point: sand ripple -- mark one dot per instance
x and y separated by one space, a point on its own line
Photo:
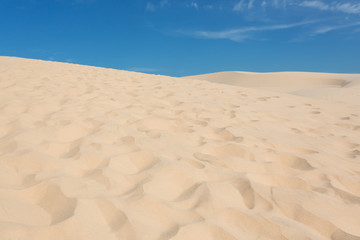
92 153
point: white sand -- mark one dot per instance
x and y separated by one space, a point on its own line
327 86
90 153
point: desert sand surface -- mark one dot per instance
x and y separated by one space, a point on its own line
328 86
89 153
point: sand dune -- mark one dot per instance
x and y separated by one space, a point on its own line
93 153
327 86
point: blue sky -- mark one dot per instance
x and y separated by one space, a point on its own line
179 38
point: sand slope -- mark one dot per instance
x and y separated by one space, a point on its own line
92 153
327 86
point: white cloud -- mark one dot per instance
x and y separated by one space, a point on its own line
150 6
348 8
241 34
315 4
276 3
251 4
242 5
327 29
194 5
239 6
353 8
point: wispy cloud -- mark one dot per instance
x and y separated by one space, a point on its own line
194 5
241 34
198 6
352 8
348 7
239 5
343 6
242 5
336 6
150 6
315 4
252 4
279 3
327 29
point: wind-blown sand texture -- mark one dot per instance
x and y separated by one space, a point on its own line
92 153
328 86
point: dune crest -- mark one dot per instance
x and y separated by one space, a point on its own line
332 87
94 153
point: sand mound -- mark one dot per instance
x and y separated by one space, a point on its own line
327 86
93 153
